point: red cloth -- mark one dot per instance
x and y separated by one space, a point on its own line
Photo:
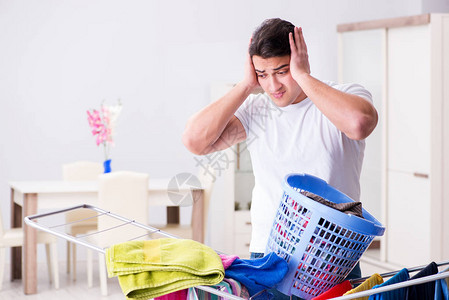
179 295
336 291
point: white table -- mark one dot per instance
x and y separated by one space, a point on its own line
35 195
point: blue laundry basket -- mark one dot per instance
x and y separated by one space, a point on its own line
321 244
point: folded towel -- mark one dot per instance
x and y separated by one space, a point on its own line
148 269
258 274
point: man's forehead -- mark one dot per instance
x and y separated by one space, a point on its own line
270 64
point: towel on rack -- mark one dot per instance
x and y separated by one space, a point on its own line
258 274
368 284
447 278
336 291
148 269
394 294
441 290
424 290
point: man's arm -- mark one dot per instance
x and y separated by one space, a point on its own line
215 127
353 115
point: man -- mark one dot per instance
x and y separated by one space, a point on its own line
299 125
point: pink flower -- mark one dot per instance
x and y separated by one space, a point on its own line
103 125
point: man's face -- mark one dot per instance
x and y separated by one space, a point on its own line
274 77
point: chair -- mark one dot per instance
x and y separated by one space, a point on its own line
124 193
14 238
78 171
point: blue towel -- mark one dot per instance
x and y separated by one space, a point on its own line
258 274
441 290
394 294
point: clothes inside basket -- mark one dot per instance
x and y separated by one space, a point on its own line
352 208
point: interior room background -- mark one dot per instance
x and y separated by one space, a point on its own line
61 58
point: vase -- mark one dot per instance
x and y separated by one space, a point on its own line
107 166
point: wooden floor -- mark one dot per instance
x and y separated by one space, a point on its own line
68 289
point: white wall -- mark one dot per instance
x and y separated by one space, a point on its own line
435 6
59 58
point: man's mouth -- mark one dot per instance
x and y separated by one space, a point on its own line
278 95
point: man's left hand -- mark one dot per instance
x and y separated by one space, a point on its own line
299 59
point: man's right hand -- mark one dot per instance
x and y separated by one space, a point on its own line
250 78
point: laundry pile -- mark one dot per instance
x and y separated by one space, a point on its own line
166 268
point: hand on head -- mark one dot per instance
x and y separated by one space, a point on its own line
299 59
250 78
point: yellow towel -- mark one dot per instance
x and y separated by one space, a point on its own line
148 269
366 285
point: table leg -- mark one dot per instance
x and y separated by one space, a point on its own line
16 252
198 216
173 215
30 246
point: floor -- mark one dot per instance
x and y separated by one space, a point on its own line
70 289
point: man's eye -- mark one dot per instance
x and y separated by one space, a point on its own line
282 72
261 75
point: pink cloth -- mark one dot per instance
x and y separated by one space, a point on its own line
227 260
179 295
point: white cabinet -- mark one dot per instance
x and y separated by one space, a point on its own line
409 99
404 62
242 233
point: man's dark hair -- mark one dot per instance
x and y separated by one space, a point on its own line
270 39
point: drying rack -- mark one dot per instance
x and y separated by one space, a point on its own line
48 222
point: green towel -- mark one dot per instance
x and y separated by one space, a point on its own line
148 269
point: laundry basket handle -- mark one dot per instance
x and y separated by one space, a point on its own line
318 184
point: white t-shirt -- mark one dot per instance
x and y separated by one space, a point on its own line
295 139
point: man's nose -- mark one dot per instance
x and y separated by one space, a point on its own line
274 84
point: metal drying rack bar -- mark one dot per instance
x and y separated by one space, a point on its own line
33 221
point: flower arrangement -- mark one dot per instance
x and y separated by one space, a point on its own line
103 123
